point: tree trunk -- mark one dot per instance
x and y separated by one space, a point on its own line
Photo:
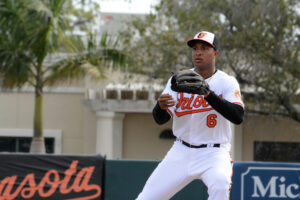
38 144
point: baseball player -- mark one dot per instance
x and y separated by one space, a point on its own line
202 102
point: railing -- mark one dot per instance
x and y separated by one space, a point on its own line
122 94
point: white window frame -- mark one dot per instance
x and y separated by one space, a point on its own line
48 133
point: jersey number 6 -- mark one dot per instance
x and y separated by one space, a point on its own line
211 120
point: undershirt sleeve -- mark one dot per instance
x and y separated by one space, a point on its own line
231 111
160 116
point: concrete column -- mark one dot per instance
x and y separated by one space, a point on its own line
236 142
109 134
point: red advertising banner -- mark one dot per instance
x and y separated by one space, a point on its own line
55 177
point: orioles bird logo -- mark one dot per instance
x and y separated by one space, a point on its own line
238 95
201 35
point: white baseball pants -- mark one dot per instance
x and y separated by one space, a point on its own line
182 165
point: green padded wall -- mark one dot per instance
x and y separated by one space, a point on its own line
125 179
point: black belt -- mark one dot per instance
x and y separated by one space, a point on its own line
199 146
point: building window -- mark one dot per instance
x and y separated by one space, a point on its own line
19 140
22 144
277 151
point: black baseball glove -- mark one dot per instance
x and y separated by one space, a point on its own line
189 81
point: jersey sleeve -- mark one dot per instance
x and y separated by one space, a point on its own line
232 92
169 91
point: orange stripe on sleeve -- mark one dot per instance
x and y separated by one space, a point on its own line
239 103
170 112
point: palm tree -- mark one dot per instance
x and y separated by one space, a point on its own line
29 32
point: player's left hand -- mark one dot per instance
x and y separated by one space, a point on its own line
190 82
165 101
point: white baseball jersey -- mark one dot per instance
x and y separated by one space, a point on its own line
195 121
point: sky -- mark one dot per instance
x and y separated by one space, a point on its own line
127 6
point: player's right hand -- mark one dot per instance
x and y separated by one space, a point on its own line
165 101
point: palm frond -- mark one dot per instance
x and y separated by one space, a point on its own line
15 69
72 68
69 68
16 62
40 31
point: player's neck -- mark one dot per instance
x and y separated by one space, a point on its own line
206 73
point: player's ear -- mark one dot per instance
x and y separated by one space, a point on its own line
216 53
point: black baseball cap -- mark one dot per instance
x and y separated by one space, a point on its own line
204 36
